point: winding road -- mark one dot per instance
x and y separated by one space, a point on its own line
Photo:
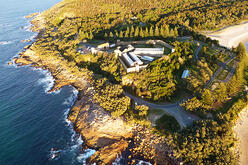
183 118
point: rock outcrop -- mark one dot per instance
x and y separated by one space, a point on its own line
100 131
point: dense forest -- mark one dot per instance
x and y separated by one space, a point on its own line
208 141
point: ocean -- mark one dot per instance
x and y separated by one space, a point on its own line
33 125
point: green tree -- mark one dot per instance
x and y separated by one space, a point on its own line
151 34
166 31
221 93
141 34
162 31
136 34
111 35
175 32
131 32
127 33
91 36
172 33
156 31
241 51
121 34
116 34
106 35
207 97
87 35
146 32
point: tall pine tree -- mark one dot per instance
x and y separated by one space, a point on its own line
141 34
121 34
132 32
146 32
136 34
151 34
156 31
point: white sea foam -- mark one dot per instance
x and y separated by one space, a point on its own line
47 82
81 158
141 162
54 154
5 42
31 38
27 27
70 100
117 160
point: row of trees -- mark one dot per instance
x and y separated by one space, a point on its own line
140 32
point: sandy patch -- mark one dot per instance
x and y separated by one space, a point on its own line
241 131
231 36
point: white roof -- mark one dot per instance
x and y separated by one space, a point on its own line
135 58
128 59
149 49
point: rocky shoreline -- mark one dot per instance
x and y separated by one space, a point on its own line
109 136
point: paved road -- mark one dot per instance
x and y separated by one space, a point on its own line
183 118
197 52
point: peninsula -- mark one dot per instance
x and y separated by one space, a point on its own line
151 86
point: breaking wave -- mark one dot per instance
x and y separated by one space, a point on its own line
81 158
47 82
5 42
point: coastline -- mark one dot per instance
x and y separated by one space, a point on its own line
231 36
90 124
109 136
82 107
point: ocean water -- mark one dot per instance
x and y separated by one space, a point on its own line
33 125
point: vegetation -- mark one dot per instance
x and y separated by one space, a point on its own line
207 141
159 80
167 124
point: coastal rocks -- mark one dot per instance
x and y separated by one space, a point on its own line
10 63
28 40
110 136
152 147
32 15
22 61
108 154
